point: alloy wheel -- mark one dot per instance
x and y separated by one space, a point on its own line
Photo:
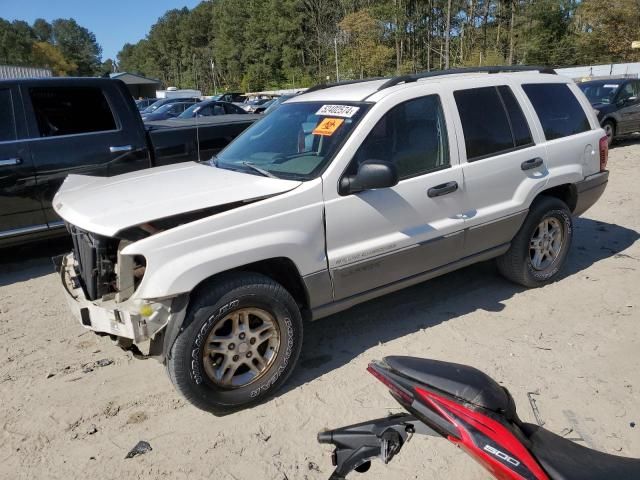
241 347
546 243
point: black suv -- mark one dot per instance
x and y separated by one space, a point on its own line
616 103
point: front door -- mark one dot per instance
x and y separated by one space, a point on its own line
629 112
378 237
77 130
20 207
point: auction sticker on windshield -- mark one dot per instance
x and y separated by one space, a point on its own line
346 111
328 126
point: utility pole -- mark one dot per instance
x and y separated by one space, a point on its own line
213 75
335 44
448 36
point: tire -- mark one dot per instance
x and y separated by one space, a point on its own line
610 129
517 263
222 319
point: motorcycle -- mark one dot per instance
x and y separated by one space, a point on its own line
471 410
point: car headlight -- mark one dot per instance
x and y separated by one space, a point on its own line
596 111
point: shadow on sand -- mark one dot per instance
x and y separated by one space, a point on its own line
334 341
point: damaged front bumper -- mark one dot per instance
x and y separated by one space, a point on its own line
136 320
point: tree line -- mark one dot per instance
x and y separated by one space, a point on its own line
258 44
62 45
262 44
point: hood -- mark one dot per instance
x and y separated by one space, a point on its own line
108 205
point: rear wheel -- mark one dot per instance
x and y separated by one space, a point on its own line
610 130
540 248
241 341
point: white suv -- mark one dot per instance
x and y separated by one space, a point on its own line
345 193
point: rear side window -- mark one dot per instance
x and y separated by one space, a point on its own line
68 111
412 135
492 121
558 109
233 109
7 119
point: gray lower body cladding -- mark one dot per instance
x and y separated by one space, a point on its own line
367 279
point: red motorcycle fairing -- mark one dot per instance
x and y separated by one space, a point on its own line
486 440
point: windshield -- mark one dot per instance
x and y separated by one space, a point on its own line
296 141
164 108
600 92
155 105
191 111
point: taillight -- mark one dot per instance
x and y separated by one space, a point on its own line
395 389
604 153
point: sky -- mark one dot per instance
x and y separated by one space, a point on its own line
113 22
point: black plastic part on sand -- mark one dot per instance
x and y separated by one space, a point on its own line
141 448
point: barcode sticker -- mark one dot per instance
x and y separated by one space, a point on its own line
346 111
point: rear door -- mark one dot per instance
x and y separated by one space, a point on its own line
89 129
504 165
20 207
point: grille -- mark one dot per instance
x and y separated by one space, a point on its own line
94 268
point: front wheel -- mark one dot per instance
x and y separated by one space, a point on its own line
241 341
540 248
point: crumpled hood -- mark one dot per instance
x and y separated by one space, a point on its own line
109 205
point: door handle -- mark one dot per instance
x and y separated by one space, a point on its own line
443 189
533 163
10 161
121 148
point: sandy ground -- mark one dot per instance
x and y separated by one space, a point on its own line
575 343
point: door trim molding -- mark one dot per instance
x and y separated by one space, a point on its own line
23 230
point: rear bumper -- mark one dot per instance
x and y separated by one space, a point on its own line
106 316
589 190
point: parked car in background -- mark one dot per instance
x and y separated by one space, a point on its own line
262 108
276 103
143 103
345 193
209 108
617 104
168 110
165 101
52 127
252 105
231 97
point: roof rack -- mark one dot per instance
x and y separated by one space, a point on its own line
322 86
453 71
414 77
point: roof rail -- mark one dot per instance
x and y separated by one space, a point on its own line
322 86
414 77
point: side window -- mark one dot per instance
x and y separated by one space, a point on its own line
558 109
485 123
626 91
232 109
413 135
69 110
7 119
519 125
218 110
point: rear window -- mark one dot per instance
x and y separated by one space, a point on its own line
7 119
492 121
559 111
68 111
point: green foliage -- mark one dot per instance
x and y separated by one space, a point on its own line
64 46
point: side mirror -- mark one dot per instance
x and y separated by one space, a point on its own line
371 174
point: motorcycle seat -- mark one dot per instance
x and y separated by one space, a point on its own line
563 459
461 381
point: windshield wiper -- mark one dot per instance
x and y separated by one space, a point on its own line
261 171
